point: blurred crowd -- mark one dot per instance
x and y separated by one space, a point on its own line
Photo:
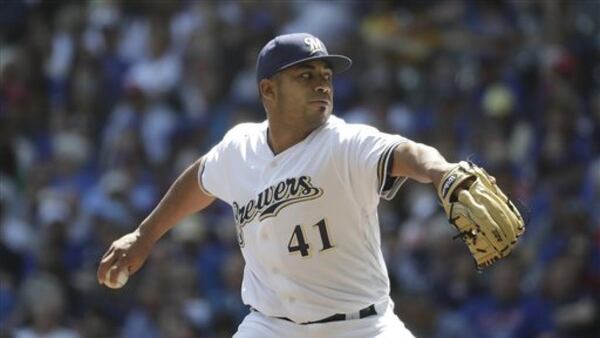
103 103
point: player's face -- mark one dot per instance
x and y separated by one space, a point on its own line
305 93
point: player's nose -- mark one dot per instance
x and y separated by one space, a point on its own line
323 88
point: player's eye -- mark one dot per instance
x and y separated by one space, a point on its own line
327 76
305 75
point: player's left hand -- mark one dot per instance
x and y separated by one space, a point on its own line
487 221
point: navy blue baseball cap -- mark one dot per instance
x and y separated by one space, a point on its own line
288 50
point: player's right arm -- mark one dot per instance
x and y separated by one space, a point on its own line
129 252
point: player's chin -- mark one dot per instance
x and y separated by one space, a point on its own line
320 114
318 120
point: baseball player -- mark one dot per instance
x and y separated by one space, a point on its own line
304 187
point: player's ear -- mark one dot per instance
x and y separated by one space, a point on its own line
267 89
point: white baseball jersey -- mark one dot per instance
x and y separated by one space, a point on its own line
306 217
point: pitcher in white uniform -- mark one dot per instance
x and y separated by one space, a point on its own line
304 187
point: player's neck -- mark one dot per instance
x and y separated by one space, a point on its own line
281 138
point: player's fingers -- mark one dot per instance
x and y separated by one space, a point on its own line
116 269
113 273
121 263
105 264
133 267
108 252
110 255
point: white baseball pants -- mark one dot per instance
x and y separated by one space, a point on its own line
385 325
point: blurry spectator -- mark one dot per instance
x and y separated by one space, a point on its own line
8 297
327 20
68 22
138 122
173 325
158 73
505 311
232 309
71 154
43 300
94 325
574 309
462 284
15 235
142 321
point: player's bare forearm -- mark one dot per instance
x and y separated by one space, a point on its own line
183 198
420 162
128 253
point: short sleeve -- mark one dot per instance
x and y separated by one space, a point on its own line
210 173
210 160
370 158
213 169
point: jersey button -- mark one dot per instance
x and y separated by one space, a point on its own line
292 299
273 164
275 270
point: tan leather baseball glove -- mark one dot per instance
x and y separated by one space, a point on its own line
487 221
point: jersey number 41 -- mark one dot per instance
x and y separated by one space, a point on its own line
298 242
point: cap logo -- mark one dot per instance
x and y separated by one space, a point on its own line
314 44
